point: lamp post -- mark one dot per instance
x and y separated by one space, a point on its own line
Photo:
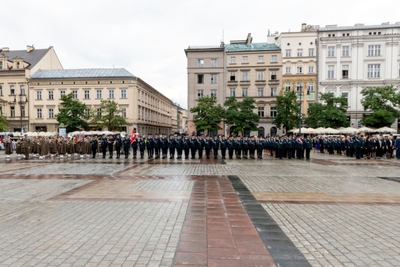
21 103
301 103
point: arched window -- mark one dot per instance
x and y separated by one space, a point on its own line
261 131
273 131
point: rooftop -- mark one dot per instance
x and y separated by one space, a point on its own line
82 73
358 26
32 57
251 47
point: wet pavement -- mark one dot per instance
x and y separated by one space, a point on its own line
329 211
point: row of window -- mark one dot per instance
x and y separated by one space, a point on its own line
288 70
272 112
18 65
232 60
13 91
86 94
152 100
151 115
244 92
373 71
299 52
299 86
213 63
260 76
213 78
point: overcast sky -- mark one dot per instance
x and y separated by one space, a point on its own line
148 38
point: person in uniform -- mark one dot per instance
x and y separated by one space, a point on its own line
238 147
223 146
186 146
231 146
26 147
150 146
171 146
200 145
215 146
104 145
193 146
164 146
142 146
308 146
118 145
358 146
245 147
94 144
252 147
156 145
110 144
8 147
207 146
260 147
179 146
126 143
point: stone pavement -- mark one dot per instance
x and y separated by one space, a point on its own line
330 211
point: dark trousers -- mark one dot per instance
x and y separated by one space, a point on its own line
164 152
238 153
251 153
358 152
179 152
193 152
94 150
104 150
186 152
230 153
172 152
208 150
223 153
289 152
200 153
215 150
134 152
259 153
245 152
126 152
150 152
157 152
279 153
142 153
110 151
351 152
308 153
118 150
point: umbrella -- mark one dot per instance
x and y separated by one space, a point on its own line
76 133
365 129
106 133
331 131
348 130
385 130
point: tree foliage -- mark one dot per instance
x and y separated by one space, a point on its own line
208 114
383 102
287 110
240 114
110 116
72 114
3 123
330 113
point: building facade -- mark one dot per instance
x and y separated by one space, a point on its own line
299 64
352 58
16 67
205 70
141 105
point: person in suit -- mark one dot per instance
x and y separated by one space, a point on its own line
389 147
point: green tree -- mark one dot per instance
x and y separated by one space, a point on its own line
3 123
208 114
240 114
383 102
110 116
287 110
330 113
72 114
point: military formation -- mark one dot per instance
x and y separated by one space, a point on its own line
185 147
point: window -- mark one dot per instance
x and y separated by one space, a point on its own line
287 86
213 93
331 72
39 113
123 93
272 112
232 92
213 63
22 89
62 93
200 78
346 95
345 51
232 76
38 95
260 59
233 60
261 111
288 53
18 65
22 111
311 52
260 76
331 51
260 91
245 92
213 78
245 59
51 95
200 93
288 70
1 65
98 94
98 112
310 87
86 94
12 89
200 63
123 112
345 71
110 93
12 111
311 69
374 50
273 58
273 75
51 113
1 90
75 94
245 76
299 69
299 52
273 91
374 70
86 112
299 87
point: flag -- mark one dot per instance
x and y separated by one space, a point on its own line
133 136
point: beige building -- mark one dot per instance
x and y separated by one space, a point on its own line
299 64
205 68
16 67
141 104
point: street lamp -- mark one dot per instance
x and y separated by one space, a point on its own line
21 103
301 103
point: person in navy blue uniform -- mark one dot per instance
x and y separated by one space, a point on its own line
118 145
110 143
179 146
134 146
94 144
207 146
104 146
171 146
156 145
126 143
215 146
245 147
223 146
164 146
200 145
231 146
142 146
252 147
193 146
238 147
260 147
150 146
186 146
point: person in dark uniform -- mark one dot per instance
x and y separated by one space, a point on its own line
193 146
215 146
164 146
179 146
289 147
200 145
245 147
252 147
94 144
223 146
157 147
126 143
308 143
260 147
238 147
279 146
118 145
207 146
134 146
110 143
142 146
358 146
150 146
186 146
104 145
299 146
231 146
171 146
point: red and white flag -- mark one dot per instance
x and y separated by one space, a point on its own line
133 136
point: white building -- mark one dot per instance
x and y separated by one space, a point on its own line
351 58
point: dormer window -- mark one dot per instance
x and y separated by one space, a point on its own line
1 65
18 65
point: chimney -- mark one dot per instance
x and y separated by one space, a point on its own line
303 27
249 39
30 48
5 49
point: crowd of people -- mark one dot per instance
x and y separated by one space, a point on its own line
185 147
